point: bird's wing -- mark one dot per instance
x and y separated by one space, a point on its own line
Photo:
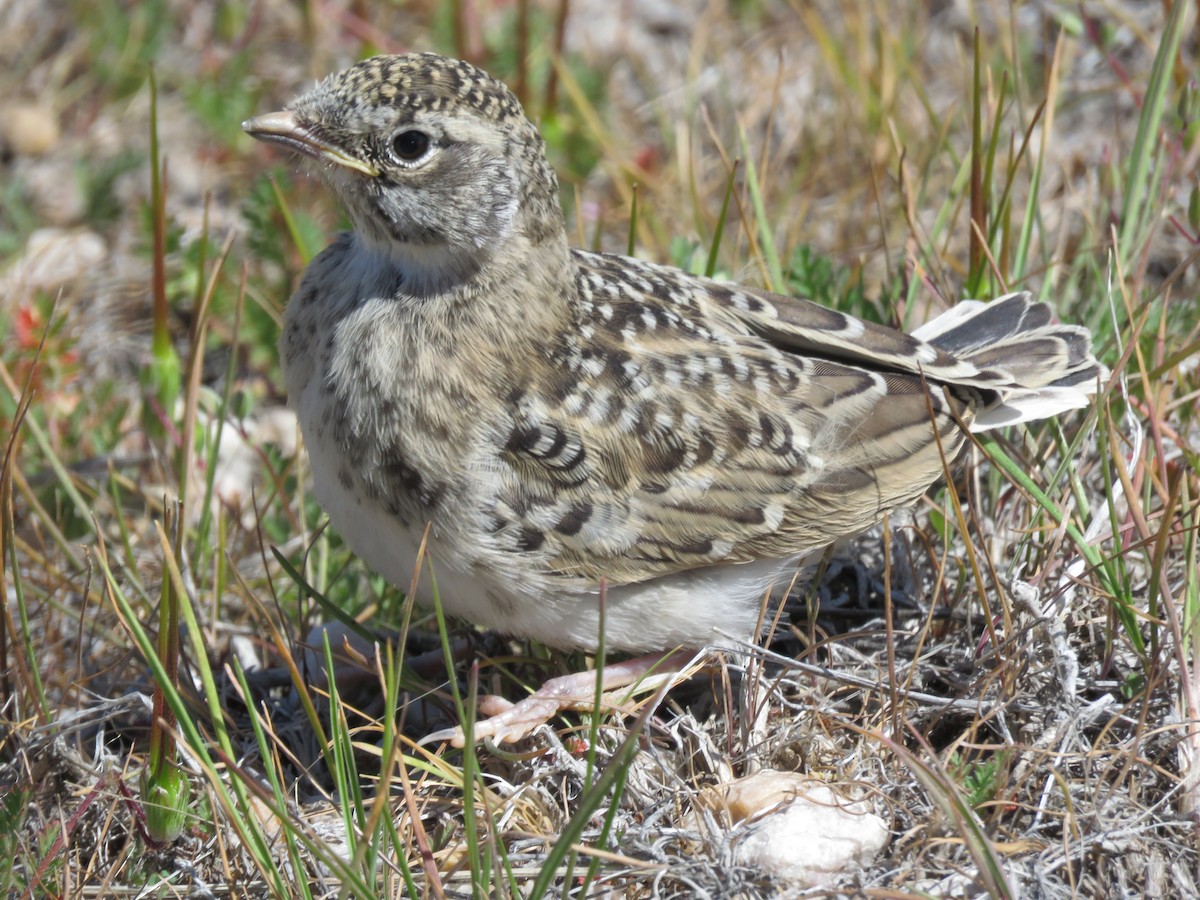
1009 347
669 435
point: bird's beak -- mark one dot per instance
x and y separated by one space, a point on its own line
284 128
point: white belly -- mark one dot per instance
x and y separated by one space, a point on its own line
499 588
692 609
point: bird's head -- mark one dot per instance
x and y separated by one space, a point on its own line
433 159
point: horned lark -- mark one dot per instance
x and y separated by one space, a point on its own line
562 419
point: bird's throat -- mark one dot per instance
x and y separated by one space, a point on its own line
425 268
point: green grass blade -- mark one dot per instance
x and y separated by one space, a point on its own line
1137 210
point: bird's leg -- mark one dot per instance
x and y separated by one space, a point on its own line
509 722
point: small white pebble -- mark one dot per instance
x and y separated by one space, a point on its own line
53 257
799 829
29 129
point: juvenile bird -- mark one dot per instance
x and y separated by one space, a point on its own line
562 419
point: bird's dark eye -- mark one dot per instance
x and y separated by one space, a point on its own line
410 145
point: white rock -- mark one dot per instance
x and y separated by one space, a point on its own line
799 829
53 257
29 129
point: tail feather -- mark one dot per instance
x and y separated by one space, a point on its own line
1029 367
971 324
